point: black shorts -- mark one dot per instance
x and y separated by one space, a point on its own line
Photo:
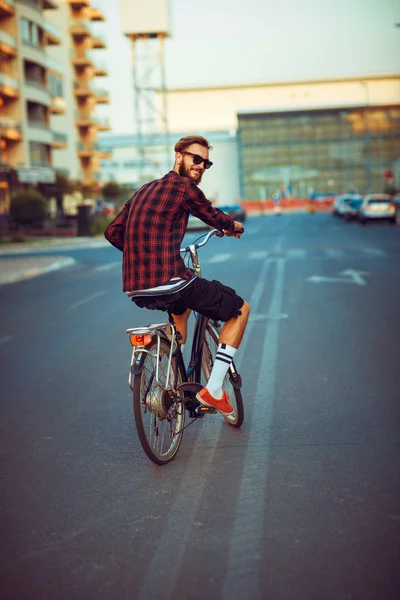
209 298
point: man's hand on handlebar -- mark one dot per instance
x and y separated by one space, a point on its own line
237 232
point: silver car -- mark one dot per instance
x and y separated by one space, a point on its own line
377 206
341 205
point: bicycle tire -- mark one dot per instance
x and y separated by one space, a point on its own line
159 420
210 337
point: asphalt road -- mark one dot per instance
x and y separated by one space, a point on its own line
303 502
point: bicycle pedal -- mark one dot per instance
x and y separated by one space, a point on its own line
206 409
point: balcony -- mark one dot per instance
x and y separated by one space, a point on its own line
100 69
10 129
58 105
89 149
95 13
86 149
8 44
102 124
84 119
80 28
7 8
98 41
36 91
60 140
79 3
82 89
39 131
8 86
53 33
81 59
101 95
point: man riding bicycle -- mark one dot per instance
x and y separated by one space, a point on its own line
149 231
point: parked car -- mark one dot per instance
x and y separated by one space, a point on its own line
377 206
341 205
195 224
396 202
352 209
235 211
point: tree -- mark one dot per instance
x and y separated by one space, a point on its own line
111 190
28 208
58 189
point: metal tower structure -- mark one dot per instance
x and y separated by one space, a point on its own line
146 24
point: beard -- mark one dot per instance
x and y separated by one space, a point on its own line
185 171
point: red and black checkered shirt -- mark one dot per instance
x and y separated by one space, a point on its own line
151 226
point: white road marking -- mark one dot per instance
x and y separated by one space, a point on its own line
108 266
219 258
247 533
333 253
374 251
295 253
188 498
88 299
258 254
5 339
347 276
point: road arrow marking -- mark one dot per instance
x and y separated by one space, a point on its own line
348 276
355 275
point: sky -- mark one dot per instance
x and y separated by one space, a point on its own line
234 42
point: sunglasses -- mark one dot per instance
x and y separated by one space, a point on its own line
197 159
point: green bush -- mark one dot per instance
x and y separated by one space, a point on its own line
98 226
28 208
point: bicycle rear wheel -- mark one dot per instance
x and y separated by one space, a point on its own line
232 380
159 415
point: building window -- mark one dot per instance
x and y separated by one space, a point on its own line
30 33
38 154
56 86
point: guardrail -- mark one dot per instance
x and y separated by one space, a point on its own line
62 138
37 84
38 124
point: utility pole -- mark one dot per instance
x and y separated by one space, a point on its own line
146 24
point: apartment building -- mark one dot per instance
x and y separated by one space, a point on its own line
47 95
30 92
82 39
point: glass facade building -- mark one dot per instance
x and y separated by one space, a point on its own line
317 151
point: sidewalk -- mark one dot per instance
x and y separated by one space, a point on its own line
14 268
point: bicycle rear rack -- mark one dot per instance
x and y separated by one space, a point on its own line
161 330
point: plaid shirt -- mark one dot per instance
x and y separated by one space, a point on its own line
151 226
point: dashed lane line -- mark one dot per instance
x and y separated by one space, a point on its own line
88 299
108 266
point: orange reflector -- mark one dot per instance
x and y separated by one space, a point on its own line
143 339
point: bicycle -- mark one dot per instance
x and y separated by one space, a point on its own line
163 388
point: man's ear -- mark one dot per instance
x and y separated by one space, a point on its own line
178 158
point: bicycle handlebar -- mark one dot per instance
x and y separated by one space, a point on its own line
209 235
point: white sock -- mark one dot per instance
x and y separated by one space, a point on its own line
223 359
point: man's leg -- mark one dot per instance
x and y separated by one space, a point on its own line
181 324
233 330
230 337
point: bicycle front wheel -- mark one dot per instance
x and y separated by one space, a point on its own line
159 415
232 378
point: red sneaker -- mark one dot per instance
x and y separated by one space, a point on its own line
221 404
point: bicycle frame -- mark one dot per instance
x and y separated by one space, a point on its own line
162 329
